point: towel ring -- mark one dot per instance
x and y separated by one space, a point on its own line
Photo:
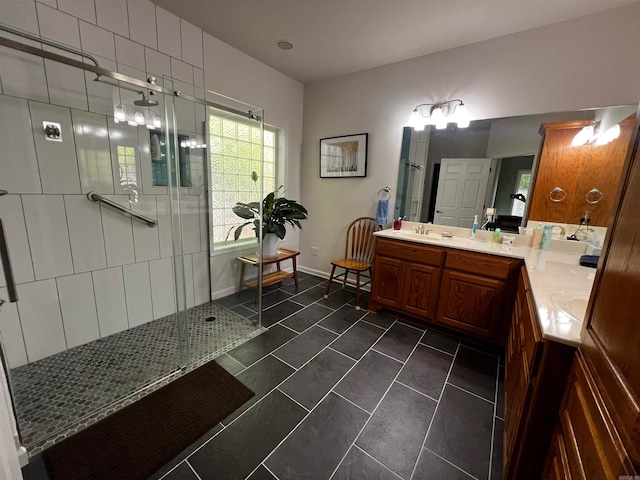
557 194
382 191
594 196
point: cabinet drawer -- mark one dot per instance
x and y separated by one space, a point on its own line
410 251
532 335
594 448
485 265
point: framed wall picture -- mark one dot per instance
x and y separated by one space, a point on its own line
344 156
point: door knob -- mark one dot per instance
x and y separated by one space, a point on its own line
438 211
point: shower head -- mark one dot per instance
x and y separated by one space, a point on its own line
146 101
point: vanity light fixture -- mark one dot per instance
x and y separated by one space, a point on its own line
440 114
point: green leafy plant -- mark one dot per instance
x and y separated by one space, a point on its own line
277 212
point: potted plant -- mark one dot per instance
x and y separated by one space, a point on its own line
277 212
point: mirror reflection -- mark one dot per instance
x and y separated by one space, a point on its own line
505 170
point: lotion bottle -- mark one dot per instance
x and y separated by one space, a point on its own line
536 238
475 227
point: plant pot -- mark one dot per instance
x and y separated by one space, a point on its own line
270 245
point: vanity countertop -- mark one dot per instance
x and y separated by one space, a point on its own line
554 277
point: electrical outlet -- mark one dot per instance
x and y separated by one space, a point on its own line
314 251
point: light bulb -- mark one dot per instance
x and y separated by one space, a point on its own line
462 116
614 132
132 123
183 144
414 119
139 118
437 116
156 121
193 142
119 115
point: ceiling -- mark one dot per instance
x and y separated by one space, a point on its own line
336 37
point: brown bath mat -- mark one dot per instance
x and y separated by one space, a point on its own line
138 440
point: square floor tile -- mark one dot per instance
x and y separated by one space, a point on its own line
366 384
260 378
309 296
262 345
229 364
461 431
358 339
271 298
381 319
338 298
306 317
340 320
395 433
431 466
261 474
303 284
359 465
440 341
399 341
309 384
276 313
302 348
475 372
236 451
497 454
426 371
317 446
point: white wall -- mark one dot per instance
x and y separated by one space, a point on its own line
587 62
232 73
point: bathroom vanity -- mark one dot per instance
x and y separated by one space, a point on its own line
530 301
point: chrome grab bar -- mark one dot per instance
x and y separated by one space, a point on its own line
95 197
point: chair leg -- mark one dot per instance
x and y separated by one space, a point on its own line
326 290
358 290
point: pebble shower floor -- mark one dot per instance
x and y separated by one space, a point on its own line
61 394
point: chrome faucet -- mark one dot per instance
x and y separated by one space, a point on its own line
419 229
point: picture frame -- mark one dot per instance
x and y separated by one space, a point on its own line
344 156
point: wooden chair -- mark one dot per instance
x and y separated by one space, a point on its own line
358 255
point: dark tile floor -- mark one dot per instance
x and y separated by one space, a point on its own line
344 394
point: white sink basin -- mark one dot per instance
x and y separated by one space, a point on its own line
574 304
418 236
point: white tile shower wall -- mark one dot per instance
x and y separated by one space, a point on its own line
11 329
137 286
84 271
111 302
85 233
57 160
48 233
78 307
19 166
39 310
12 217
162 292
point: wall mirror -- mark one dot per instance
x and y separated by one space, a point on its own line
513 165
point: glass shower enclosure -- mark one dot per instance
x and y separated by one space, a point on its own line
107 219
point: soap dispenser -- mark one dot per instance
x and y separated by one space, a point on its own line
474 229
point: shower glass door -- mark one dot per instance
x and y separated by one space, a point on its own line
211 164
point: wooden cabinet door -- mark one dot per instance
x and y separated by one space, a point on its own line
471 303
388 280
557 467
420 291
611 332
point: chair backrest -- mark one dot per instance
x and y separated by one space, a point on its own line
360 239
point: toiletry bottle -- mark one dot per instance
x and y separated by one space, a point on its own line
536 238
496 236
475 227
547 233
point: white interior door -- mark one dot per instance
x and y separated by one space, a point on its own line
462 187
